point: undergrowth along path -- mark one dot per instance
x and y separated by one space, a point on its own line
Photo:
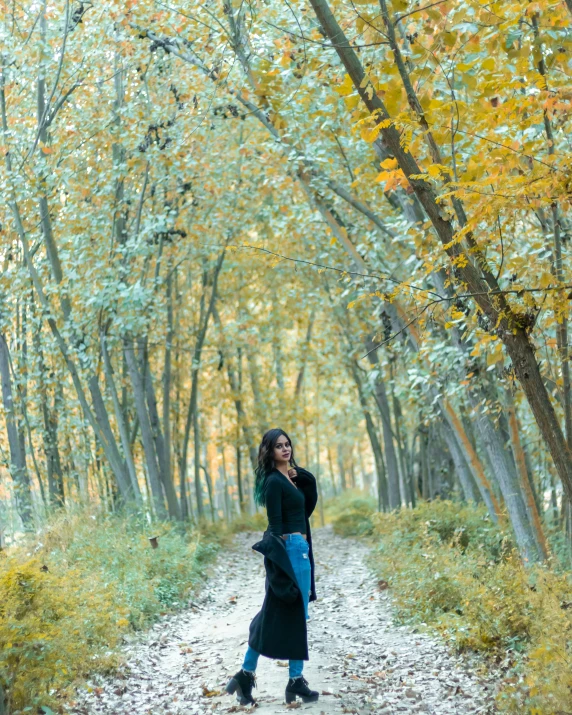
360 661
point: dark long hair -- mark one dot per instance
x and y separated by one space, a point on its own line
266 462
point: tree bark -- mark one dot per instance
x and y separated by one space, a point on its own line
146 431
3 710
160 447
167 378
333 475
119 418
403 471
305 350
18 468
383 497
115 459
525 477
527 539
425 487
50 430
209 483
342 467
239 471
394 492
197 462
256 389
470 492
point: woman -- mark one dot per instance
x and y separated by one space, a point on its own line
279 629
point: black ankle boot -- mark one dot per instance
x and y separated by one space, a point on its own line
242 683
299 687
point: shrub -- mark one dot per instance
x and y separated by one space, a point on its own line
351 513
452 569
68 598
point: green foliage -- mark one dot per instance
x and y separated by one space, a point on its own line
351 512
220 533
451 569
67 600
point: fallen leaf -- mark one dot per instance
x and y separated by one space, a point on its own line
210 693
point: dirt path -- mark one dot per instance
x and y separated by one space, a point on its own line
359 660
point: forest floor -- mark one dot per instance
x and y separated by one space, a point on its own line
360 660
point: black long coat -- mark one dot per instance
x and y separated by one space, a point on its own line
279 629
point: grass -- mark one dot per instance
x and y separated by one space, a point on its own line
351 513
451 570
69 597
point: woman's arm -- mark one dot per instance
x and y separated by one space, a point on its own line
306 482
274 507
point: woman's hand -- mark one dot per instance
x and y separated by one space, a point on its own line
292 473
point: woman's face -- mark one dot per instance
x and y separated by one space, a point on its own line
282 450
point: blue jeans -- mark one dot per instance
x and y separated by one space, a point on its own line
298 551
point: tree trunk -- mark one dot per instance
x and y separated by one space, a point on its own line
119 418
115 459
167 379
333 475
50 430
256 389
527 539
234 388
403 473
209 483
241 503
471 459
160 447
197 455
383 496
425 488
3 710
18 468
341 468
382 402
146 431
468 488
305 351
525 477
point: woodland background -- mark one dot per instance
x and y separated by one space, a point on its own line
348 220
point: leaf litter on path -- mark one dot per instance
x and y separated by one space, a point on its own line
360 660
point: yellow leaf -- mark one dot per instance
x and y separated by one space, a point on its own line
346 87
389 164
492 358
370 134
